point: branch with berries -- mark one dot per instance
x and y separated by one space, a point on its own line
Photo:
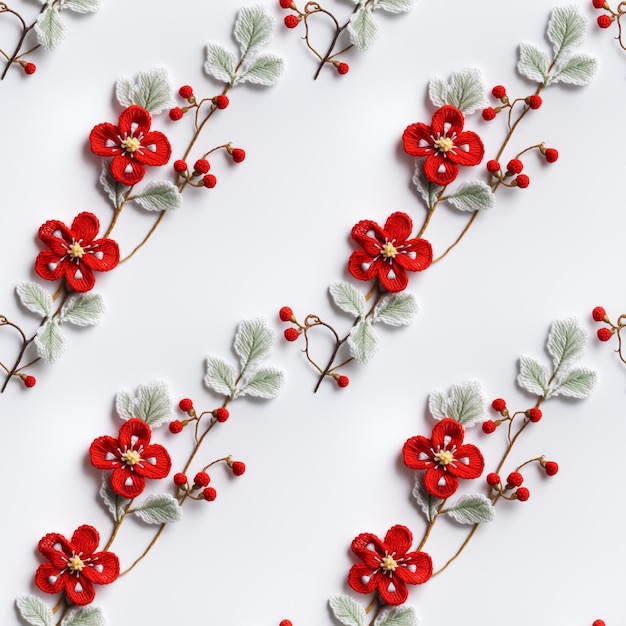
612 329
387 253
611 16
130 462
359 31
443 462
73 254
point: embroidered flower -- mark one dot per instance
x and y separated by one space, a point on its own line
131 457
388 253
388 566
75 253
75 566
444 457
444 144
131 144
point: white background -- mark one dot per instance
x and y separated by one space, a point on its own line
320 468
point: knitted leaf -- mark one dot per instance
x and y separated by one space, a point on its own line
362 341
50 28
533 63
113 188
153 404
427 189
398 309
49 341
578 70
265 383
566 342
566 29
159 509
85 616
85 309
220 376
348 298
253 29
362 28
533 376
159 195
35 298
35 611
153 90
465 90
113 501
466 403
253 342
265 70
472 196
81 6
347 610
220 63
473 508
394 6
579 382
426 501
397 616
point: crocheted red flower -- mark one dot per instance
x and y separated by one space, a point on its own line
131 144
131 457
75 253
444 457
388 253
75 566
388 566
444 144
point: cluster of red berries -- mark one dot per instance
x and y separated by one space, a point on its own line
513 168
499 404
513 481
533 101
604 21
599 315
286 315
202 166
186 405
201 481
186 91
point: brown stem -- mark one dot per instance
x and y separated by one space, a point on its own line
145 552
458 239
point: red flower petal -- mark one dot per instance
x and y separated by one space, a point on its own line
85 539
104 453
440 170
55 548
417 140
79 276
398 228
102 255
56 235
416 568
104 140
416 255
447 121
417 453
440 483
127 170
127 483
134 433
450 429
392 589
369 548
362 579
398 539
49 265
155 149
79 589
369 235
155 462
468 462
392 277
49 578
362 265
134 121
468 149
103 568
85 227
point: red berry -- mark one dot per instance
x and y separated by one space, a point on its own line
515 479
598 314
286 622
221 414
488 427
222 101
489 113
185 405
552 155
522 494
176 113
30 68
238 468
552 467
185 91
498 91
180 479
285 314
238 155
534 101
498 405
598 4
180 166
209 181
604 334
209 494
202 479
493 166
285 4
291 334
515 166
343 381
343 68
202 166
176 427
604 21
291 21
534 414
598 622
30 381
493 479
522 181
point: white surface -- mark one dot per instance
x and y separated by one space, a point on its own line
323 468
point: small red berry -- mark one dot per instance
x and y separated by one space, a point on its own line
515 166
202 166
291 21
598 4
343 381
552 467
534 414
221 101
286 622
285 314
238 468
598 622
30 68
598 314
604 21
285 4
238 155
343 68
522 494
202 479
185 91
498 405
522 181
180 479
180 166
185 405
30 381
291 334
176 113
489 427
493 479
493 166
552 155
498 91
604 334
176 427
515 479
534 101
221 414
209 494
209 181
489 114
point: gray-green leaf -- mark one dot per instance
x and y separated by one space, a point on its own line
159 509
579 382
397 616
362 28
266 69
153 90
34 610
398 309
579 69
50 28
49 341
472 196
265 383
82 6
466 404
395 6
347 610
220 63
113 188
113 501
85 616
348 298
220 376
363 341
427 189
35 298
533 63
253 28
473 508
566 29
426 501
465 90
566 342
533 376
253 342
85 309
153 404
159 195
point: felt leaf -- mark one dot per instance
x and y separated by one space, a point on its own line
437 90
579 69
113 188
398 309
153 90
566 29
220 63
220 376
153 403
473 508
35 298
427 189
472 196
159 509
50 28
466 404
84 616
347 610
397 616
395 6
113 501
253 28
467 90
579 382
426 501
85 309
266 69
35 611
362 28
533 376
265 383
49 341
348 298
566 342
82 6
159 195
253 342
533 63
362 341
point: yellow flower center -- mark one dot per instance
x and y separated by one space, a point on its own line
131 457
388 564
130 144
444 144
388 250
75 564
443 457
75 250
